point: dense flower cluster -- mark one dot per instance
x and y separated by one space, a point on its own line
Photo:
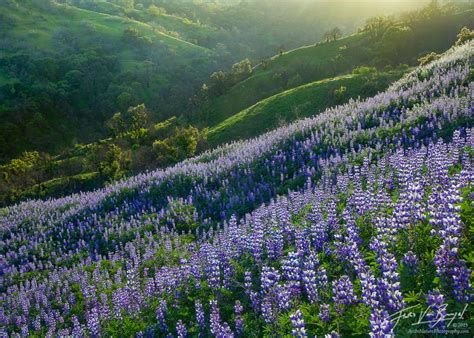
344 213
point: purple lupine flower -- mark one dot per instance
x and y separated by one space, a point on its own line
437 310
93 322
239 320
181 330
343 293
283 296
380 324
218 329
297 324
462 287
368 284
411 262
248 282
268 311
269 278
291 267
161 315
310 286
78 329
324 313
255 299
200 317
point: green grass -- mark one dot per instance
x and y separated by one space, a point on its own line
300 102
86 26
59 186
262 83
326 60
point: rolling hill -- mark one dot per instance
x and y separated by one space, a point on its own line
64 70
378 47
300 102
291 85
66 66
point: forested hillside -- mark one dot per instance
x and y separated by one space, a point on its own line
128 136
66 66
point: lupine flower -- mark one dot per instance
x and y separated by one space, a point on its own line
239 321
380 324
200 317
343 293
437 310
181 329
411 262
297 323
161 315
324 313
93 322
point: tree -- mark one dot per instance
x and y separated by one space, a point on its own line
217 83
165 152
393 43
156 11
376 26
241 70
464 35
139 117
111 168
124 100
332 35
116 124
186 141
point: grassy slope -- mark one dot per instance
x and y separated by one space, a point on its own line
299 102
355 51
262 83
186 28
86 24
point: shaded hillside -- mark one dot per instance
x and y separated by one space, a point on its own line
383 43
303 101
64 70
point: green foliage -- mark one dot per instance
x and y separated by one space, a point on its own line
139 119
111 167
363 70
332 35
116 124
339 94
181 145
424 60
464 35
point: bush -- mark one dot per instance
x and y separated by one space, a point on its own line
363 70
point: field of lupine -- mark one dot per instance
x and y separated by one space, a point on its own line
356 221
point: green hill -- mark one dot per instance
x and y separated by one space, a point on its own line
64 70
299 102
66 66
92 60
384 44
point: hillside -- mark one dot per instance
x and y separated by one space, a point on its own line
387 44
67 66
330 225
82 168
64 70
303 101
125 152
